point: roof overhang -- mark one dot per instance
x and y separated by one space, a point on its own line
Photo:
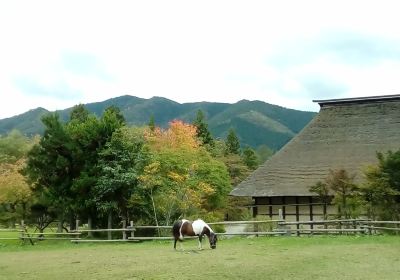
367 99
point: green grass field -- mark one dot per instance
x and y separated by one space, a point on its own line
328 257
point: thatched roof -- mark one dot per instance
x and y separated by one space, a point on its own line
346 133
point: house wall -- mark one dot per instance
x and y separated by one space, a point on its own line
293 208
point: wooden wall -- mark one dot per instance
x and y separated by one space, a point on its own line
294 208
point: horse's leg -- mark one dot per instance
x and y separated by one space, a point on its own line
175 243
200 244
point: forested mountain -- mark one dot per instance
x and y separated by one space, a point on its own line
255 122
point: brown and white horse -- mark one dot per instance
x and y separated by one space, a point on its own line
197 228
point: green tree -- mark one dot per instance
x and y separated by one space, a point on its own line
120 164
379 196
79 113
390 168
382 187
64 165
323 192
202 129
14 146
50 166
90 136
116 111
346 193
87 140
340 189
250 158
152 123
232 142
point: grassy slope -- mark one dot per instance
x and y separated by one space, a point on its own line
343 257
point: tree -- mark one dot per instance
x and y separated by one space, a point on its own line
87 139
14 146
390 168
50 165
232 143
382 187
64 165
250 158
116 113
182 177
79 113
120 164
323 192
14 192
89 136
203 133
379 197
346 194
152 124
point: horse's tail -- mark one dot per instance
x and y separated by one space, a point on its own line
176 230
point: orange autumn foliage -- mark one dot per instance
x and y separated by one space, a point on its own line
178 135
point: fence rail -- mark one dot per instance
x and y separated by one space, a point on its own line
276 227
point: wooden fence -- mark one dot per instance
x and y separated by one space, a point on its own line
257 228
281 227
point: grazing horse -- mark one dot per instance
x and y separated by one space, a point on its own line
198 227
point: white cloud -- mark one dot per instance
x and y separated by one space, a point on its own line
55 54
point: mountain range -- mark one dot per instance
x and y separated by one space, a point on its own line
255 122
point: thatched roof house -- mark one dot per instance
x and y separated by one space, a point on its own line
346 134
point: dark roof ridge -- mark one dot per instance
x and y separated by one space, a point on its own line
365 99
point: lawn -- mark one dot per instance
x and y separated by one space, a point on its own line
319 257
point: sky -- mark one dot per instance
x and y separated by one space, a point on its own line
56 54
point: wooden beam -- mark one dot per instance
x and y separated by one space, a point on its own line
311 210
270 207
255 209
297 214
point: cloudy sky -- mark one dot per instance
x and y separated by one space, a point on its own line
55 54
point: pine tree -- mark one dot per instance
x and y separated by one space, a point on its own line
202 129
152 124
250 158
232 143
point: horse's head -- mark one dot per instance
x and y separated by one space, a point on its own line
213 240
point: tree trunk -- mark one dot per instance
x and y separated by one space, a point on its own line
23 210
13 218
109 225
154 211
60 223
72 224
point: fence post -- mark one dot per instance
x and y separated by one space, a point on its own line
281 227
109 226
124 228
132 229
23 231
